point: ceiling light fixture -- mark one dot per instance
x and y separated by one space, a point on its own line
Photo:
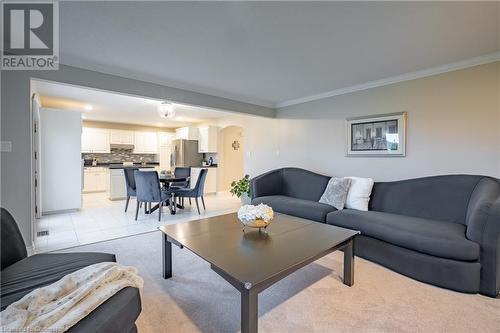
87 107
166 110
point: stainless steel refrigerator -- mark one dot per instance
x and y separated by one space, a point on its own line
185 154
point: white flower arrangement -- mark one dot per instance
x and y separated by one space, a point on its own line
251 213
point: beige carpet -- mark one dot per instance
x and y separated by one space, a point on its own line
312 299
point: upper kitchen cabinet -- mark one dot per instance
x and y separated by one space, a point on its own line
207 139
165 139
187 133
165 150
95 140
120 137
146 143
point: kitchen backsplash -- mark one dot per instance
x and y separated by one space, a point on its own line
206 156
118 155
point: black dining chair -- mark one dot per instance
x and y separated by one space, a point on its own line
130 184
195 192
148 191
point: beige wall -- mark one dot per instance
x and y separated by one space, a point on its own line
453 127
498 103
230 160
128 127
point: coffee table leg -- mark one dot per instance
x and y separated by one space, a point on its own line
349 263
167 257
249 311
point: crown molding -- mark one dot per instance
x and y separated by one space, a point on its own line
481 60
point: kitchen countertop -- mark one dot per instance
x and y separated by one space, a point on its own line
135 166
204 166
121 166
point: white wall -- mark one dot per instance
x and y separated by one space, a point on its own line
15 166
61 177
453 127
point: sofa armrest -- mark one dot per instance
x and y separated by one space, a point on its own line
116 315
269 183
486 232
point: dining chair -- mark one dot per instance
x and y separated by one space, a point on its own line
130 184
148 191
182 172
195 192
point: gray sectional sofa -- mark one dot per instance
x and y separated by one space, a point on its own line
442 230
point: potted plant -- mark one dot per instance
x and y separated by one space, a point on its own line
241 189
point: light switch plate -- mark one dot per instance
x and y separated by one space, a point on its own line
5 146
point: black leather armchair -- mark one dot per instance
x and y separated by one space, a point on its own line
21 274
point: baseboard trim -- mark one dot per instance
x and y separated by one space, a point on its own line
62 211
31 250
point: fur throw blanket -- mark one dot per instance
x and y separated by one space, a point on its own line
57 307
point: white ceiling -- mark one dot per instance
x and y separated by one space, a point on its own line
274 52
119 108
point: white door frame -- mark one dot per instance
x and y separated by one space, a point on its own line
36 207
37 202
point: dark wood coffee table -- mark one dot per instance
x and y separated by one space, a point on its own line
252 261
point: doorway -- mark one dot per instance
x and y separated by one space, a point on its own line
110 131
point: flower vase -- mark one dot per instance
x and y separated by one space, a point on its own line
245 199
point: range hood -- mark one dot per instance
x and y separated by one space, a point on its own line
121 146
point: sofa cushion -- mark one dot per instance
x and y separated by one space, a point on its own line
297 207
441 239
40 270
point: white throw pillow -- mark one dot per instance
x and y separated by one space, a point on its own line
359 193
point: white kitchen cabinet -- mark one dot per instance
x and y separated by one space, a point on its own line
187 133
207 139
117 185
120 137
95 179
146 143
165 140
86 140
210 181
95 140
165 158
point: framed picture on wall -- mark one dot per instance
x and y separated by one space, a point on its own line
380 135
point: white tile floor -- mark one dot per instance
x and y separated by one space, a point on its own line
101 219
